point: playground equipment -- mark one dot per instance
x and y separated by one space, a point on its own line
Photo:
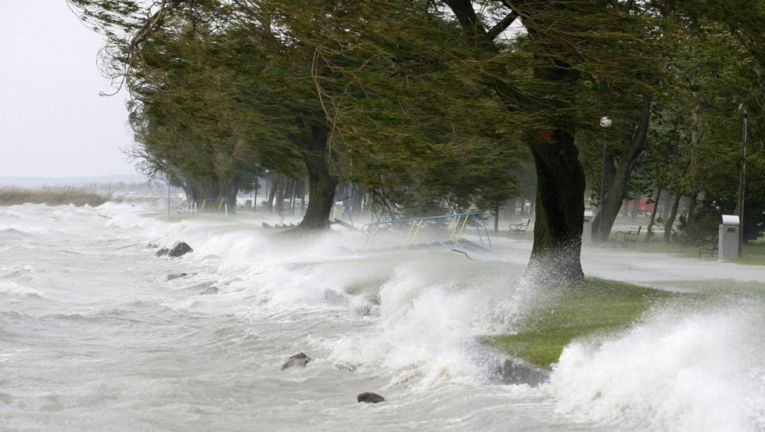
455 224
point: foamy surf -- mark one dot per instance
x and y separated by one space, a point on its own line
95 337
679 370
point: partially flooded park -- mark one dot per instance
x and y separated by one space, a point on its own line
449 215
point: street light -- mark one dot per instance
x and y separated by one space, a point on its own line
742 176
605 123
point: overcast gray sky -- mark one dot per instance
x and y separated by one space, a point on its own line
53 123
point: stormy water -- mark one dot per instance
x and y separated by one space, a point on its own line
94 335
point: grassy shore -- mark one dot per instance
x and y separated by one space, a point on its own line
596 306
752 254
50 196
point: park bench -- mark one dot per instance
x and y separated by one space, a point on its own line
624 238
708 246
520 227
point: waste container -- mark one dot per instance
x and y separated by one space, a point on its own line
587 228
728 237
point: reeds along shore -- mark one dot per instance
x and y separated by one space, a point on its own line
50 196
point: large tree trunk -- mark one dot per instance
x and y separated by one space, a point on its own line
279 204
692 202
321 183
671 217
653 214
272 193
207 193
559 216
228 191
604 220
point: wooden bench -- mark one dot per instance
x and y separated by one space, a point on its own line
520 227
624 238
708 246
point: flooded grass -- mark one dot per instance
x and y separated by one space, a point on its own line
50 196
596 306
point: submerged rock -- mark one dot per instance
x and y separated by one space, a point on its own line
179 249
516 371
369 397
209 290
297 360
346 367
335 298
176 276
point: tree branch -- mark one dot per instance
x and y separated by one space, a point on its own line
502 25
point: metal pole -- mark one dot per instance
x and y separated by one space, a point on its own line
605 123
168 197
602 192
742 179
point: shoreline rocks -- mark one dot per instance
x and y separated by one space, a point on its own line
297 360
369 397
517 371
178 250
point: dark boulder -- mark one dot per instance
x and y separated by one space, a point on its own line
516 371
297 360
368 397
179 249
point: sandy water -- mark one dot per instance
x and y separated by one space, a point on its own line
94 337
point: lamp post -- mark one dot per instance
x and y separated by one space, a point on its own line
742 175
605 123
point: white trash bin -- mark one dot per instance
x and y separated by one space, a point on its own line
728 237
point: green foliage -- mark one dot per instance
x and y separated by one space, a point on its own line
429 104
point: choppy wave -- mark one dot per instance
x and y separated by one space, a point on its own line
166 354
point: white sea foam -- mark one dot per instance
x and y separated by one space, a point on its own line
680 370
158 354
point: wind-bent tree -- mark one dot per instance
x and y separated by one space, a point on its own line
261 95
406 122
567 47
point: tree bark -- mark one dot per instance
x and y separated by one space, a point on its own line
691 207
604 220
559 215
229 191
671 217
272 194
321 183
279 204
653 215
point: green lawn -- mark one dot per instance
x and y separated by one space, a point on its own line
596 306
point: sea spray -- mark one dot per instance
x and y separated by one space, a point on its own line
116 343
679 370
